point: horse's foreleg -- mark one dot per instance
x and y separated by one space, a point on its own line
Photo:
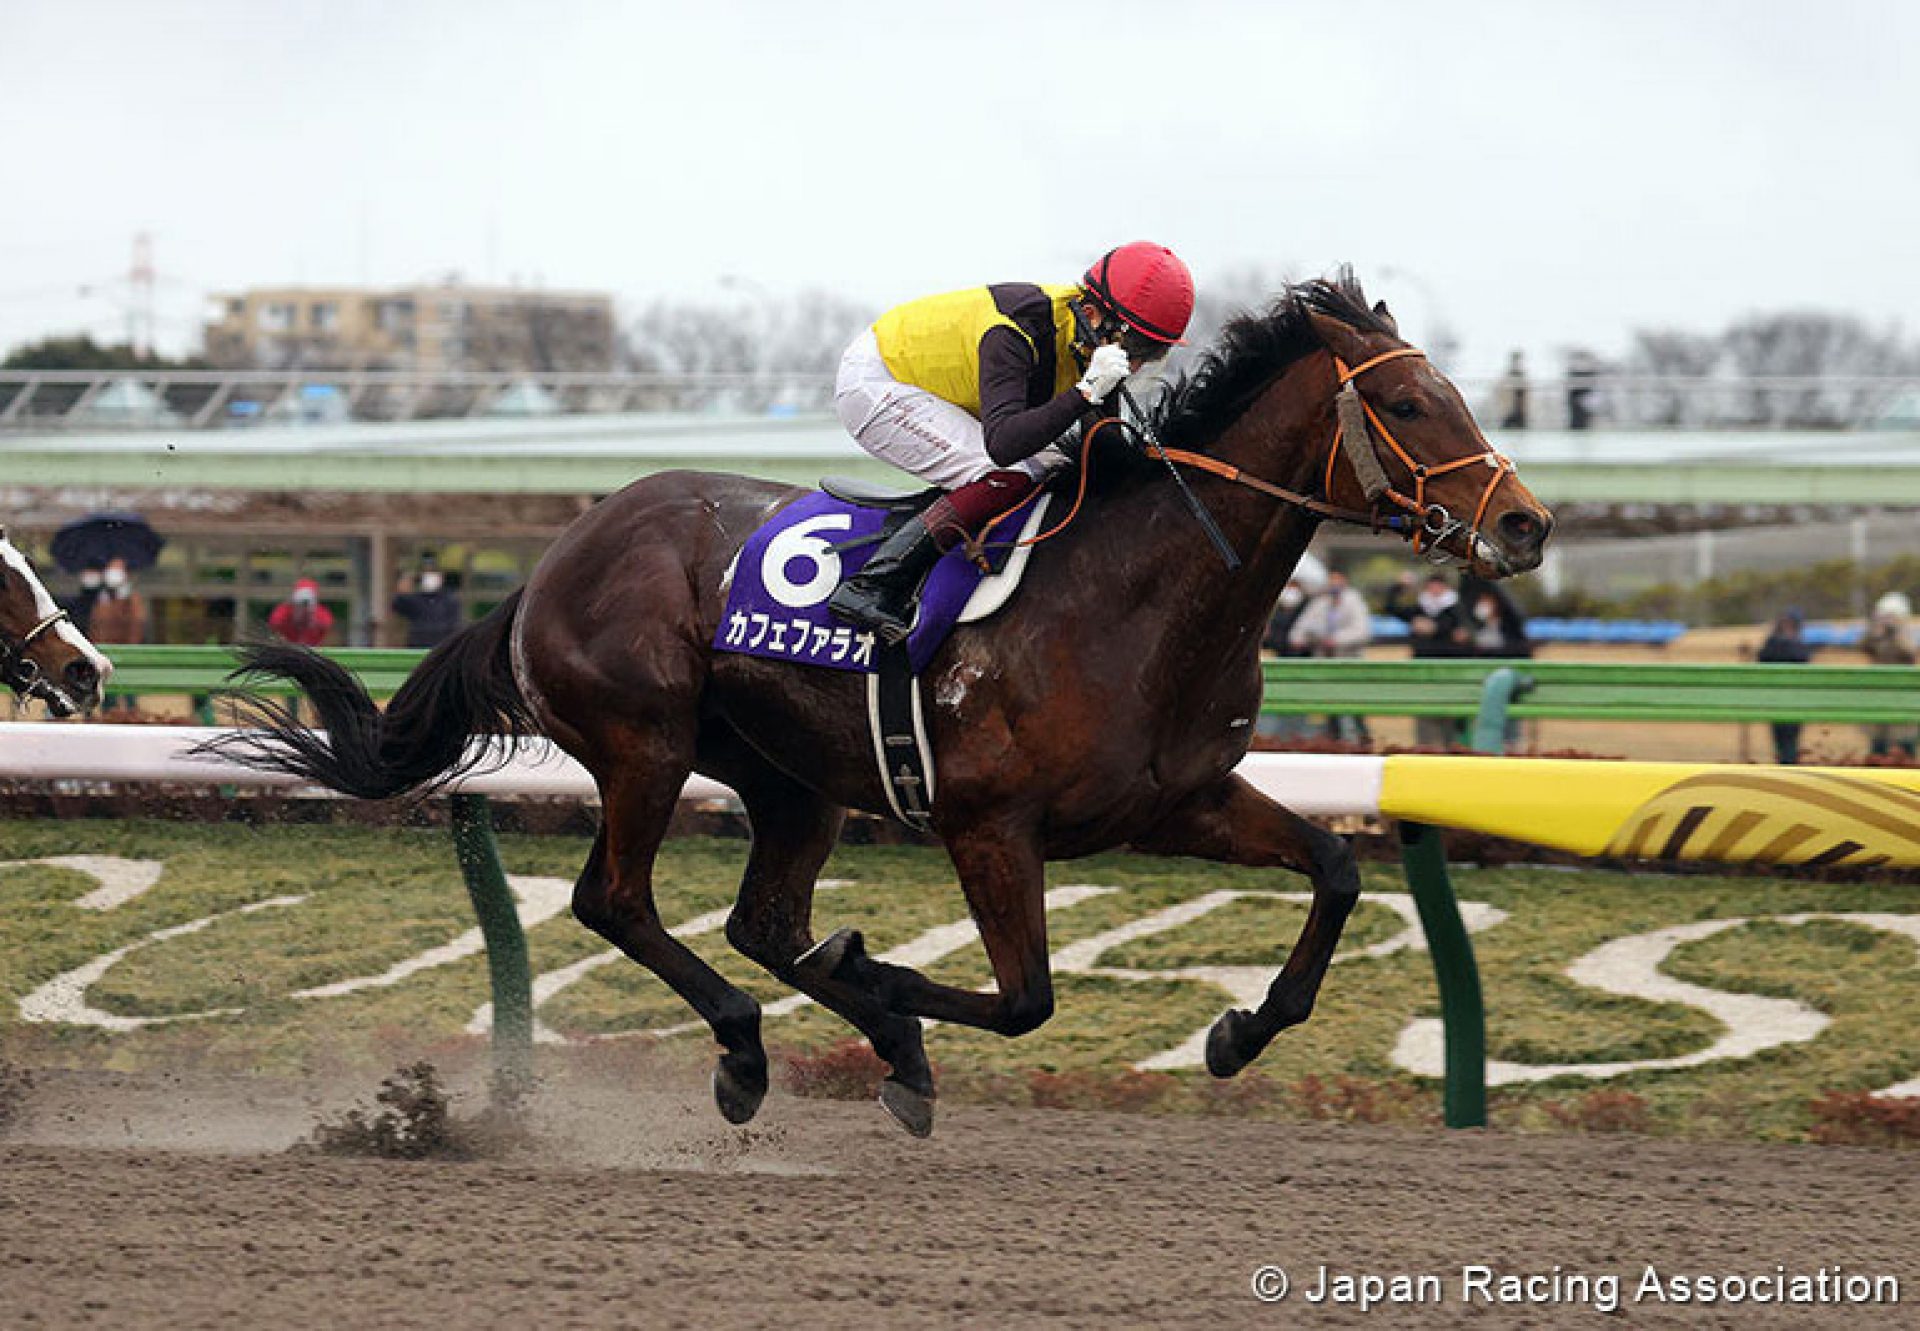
1233 823
1003 876
614 898
794 830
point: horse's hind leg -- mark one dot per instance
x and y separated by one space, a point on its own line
614 898
1233 823
794 830
1003 876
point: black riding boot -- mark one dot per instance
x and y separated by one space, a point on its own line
884 595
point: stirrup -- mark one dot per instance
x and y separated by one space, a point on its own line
874 615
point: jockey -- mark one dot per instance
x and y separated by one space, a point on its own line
970 390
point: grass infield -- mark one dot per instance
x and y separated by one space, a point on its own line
376 897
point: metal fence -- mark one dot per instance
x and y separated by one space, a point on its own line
208 399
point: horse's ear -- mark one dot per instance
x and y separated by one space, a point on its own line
1380 308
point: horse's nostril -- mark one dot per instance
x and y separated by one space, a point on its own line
1522 530
82 676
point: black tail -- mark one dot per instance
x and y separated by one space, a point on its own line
464 687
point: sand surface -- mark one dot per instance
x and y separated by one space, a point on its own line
172 1202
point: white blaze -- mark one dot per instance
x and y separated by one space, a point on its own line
44 605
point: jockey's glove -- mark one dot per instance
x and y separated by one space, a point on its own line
1105 369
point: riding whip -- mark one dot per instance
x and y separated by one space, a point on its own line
1212 528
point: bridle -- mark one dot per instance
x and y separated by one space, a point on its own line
1356 425
20 672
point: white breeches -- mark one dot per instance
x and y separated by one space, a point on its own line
917 432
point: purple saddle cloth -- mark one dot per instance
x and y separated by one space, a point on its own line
777 600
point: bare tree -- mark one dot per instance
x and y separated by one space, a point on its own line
1814 344
1655 358
1830 358
790 340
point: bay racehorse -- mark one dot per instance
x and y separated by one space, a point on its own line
42 655
1106 706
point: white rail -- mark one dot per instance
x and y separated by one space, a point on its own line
1328 785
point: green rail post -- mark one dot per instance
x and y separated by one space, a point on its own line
507 966
1490 723
1425 856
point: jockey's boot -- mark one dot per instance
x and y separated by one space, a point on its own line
884 595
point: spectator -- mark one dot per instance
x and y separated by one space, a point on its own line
1436 628
1498 631
1510 399
1293 599
1890 642
430 607
1785 645
1582 392
1401 596
1498 628
301 619
79 606
1336 623
120 613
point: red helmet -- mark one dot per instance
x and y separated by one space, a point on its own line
1147 286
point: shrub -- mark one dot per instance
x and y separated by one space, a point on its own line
1347 1099
1601 1111
1127 1092
849 1070
1861 1118
1249 1095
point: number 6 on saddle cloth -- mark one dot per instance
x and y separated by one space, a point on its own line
777 589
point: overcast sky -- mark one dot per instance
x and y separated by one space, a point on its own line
1538 175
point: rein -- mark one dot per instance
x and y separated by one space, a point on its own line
1426 525
1355 427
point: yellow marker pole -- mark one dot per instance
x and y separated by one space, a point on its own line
1860 817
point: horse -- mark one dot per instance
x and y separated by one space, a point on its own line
1105 707
42 655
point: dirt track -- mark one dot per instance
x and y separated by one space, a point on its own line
150 1204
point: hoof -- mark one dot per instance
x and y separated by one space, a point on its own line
911 1109
739 1085
1224 1043
826 958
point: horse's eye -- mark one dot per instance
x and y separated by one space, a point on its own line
1405 410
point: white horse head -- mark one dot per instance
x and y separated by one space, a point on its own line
42 655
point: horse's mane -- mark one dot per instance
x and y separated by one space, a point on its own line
1252 350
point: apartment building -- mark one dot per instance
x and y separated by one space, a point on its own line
425 328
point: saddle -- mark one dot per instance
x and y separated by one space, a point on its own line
862 494
777 588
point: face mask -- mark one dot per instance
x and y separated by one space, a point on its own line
303 598
115 578
430 582
91 579
1291 597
